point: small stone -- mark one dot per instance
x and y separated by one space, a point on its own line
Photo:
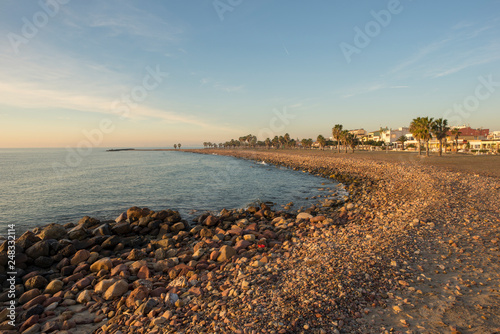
226 252
54 287
304 216
84 297
249 237
101 264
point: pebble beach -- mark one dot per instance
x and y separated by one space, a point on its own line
413 248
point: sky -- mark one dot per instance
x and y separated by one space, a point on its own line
154 73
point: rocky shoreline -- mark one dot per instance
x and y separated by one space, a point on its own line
338 267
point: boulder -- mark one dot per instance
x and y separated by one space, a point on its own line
138 294
36 282
78 233
80 256
29 295
104 285
116 290
121 217
87 222
121 228
27 239
111 242
44 262
135 213
177 227
41 248
53 231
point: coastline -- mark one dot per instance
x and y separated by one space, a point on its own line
338 267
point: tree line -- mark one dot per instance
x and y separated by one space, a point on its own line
423 130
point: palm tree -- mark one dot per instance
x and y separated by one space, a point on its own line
282 141
175 146
179 146
276 142
322 141
440 128
350 140
345 138
304 143
425 124
267 142
286 138
337 133
416 131
402 140
456 132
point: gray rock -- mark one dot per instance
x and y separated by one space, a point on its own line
41 248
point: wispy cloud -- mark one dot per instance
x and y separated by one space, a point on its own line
457 51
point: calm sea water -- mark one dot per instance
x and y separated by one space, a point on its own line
104 184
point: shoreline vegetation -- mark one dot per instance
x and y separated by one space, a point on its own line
414 248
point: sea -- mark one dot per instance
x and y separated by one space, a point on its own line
42 186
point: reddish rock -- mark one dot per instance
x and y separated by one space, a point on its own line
35 301
317 219
83 283
144 273
29 295
214 255
210 221
195 291
140 294
119 268
51 300
29 322
242 244
72 278
135 213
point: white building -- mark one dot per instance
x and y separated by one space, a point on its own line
392 135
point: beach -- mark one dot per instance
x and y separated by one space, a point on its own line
413 249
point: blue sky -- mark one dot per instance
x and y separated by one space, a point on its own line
227 68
